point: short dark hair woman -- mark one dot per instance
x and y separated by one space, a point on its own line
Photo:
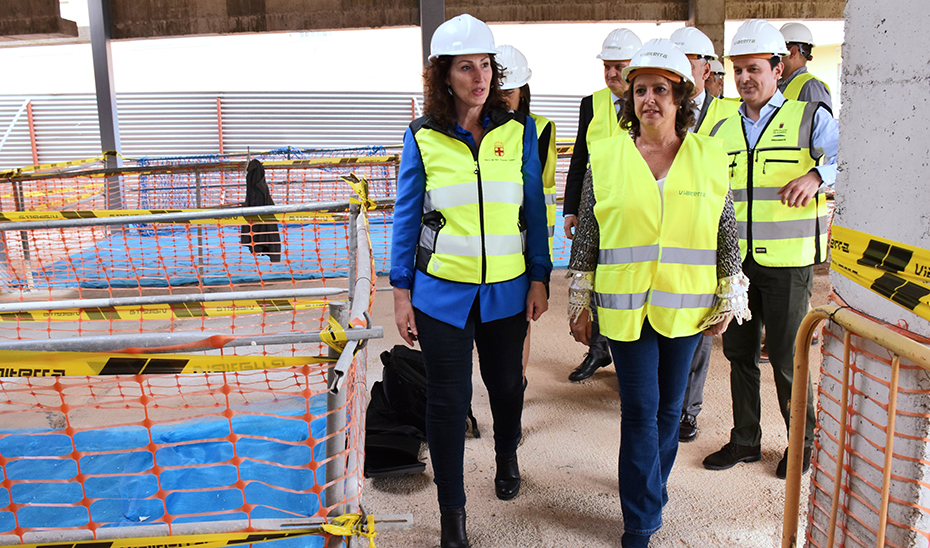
469 194
658 248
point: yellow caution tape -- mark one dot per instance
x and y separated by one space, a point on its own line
54 165
23 363
334 335
332 161
360 186
345 525
352 525
175 311
286 218
896 271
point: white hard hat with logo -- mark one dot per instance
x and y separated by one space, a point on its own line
694 42
757 37
659 56
716 67
516 72
796 32
461 35
620 45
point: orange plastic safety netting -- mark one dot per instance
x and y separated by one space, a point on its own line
865 431
251 441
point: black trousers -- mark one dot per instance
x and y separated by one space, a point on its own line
778 299
447 351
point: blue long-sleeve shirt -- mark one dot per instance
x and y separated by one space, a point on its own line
450 301
826 135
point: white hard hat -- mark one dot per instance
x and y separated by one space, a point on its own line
716 67
516 73
461 35
796 32
620 45
661 54
693 42
755 37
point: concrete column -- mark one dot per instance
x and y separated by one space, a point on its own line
881 190
432 14
108 119
708 16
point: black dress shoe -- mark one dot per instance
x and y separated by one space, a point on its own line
507 480
731 454
781 471
593 360
453 529
687 428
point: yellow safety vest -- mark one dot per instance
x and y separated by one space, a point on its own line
604 121
472 229
717 110
658 247
548 173
776 234
793 90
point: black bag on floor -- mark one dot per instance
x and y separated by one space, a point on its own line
396 420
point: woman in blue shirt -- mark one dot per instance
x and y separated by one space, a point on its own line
469 256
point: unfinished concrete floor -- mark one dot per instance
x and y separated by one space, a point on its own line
568 459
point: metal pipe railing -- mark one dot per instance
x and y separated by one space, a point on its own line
900 346
171 217
110 302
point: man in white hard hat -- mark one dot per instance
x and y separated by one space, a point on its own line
598 118
700 52
714 82
796 82
783 157
708 110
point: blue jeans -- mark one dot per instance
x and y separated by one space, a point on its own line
447 353
653 373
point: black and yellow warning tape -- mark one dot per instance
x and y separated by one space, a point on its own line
896 271
23 363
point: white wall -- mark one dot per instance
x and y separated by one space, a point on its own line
885 137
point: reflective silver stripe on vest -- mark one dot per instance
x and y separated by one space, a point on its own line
758 193
683 255
551 199
782 230
502 192
470 246
620 301
551 231
682 300
806 129
626 255
450 196
467 194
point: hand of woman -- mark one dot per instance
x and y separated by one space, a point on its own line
536 301
718 328
581 327
403 316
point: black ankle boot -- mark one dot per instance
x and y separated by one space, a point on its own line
453 529
507 480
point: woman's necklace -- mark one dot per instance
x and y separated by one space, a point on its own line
653 150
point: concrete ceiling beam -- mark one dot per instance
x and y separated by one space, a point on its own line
34 20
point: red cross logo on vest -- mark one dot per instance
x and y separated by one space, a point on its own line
499 148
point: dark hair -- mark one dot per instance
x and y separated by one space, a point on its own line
804 49
774 61
681 96
524 105
438 101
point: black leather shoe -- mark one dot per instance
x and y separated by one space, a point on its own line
731 454
593 360
453 529
781 471
687 428
507 480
